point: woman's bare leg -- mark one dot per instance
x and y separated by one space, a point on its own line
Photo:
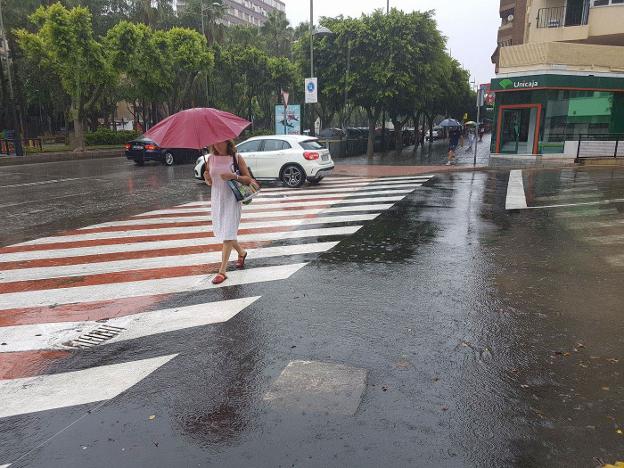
241 252
225 258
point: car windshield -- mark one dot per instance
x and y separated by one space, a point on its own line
311 145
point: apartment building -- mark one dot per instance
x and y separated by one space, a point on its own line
245 12
559 74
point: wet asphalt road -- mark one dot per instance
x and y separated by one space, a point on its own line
489 338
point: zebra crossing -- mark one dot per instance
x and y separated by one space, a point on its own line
587 204
71 290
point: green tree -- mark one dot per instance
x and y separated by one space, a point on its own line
64 42
191 62
277 34
142 56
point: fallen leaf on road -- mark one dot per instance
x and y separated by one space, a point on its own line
613 360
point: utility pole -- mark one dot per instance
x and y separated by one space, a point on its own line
346 90
17 142
311 38
383 115
479 102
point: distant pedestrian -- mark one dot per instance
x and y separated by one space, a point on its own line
454 134
226 210
481 132
471 139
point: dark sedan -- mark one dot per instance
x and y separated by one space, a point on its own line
143 149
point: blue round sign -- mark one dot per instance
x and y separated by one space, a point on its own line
311 87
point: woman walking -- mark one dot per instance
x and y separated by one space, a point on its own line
226 211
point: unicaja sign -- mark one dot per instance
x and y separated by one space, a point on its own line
507 84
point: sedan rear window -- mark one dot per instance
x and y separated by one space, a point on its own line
276 145
311 145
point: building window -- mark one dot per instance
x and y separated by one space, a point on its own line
607 2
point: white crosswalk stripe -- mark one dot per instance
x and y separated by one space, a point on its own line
252 215
200 229
99 268
64 289
171 244
46 392
109 292
58 335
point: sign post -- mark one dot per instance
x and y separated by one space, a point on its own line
480 102
311 90
285 96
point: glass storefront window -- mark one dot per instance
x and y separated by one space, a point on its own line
571 113
566 114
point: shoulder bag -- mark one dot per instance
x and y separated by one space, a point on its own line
244 193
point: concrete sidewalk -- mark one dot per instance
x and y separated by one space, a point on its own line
423 160
60 156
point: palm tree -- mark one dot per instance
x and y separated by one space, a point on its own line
278 34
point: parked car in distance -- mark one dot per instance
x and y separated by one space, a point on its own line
292 159
143 149
433 135
332 133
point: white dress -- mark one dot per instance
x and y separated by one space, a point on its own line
226 211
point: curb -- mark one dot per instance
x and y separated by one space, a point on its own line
393 171
61 156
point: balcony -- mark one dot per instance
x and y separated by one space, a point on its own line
563 16
561 57
587 21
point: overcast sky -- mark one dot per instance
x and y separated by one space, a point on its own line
469 25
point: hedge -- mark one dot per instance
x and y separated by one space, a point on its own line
105 136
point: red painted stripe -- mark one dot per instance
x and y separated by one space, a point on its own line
51 262
183 212
84 311
177 224
108 278
136 240
28 363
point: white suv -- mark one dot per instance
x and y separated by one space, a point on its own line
293 159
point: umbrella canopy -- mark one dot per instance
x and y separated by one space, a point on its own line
197 128
450 123
471 123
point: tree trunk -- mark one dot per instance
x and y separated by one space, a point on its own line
416 119
430 120
398 135
372 123
79 139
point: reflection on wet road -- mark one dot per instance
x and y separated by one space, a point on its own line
487 337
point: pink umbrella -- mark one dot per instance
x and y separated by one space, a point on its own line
196 128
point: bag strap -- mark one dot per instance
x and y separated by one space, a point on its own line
236 166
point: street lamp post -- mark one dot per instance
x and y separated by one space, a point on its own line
311 38
204 10
17 142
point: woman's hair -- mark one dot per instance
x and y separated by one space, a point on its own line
231 149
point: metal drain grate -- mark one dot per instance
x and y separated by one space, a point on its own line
96 337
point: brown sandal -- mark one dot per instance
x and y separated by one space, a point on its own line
240 264
220 278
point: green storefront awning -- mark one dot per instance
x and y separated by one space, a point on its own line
530 82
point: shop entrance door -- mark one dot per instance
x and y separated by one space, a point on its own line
518 128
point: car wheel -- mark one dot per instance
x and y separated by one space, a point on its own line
315 181
293 176
169 159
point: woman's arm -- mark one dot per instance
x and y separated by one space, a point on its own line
245 176
207 177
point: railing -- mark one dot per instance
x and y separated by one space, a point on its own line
563 16
7 145
594 145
